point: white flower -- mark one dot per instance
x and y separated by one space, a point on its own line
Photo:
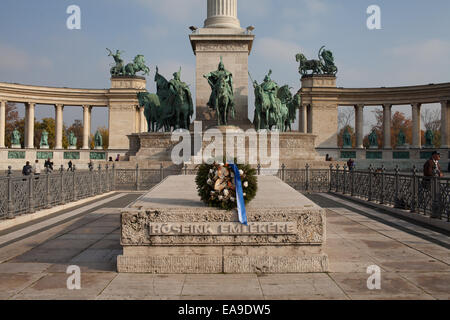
211 171
233 199
221 164
210 182
220 198
245 184
226 192
245 194
241 172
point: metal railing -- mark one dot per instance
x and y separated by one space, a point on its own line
28 194
429 196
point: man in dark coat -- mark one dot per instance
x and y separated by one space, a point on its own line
432 167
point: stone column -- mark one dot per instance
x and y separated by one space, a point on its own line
142 120
29 127
222 14
359 125
2 123
86 126
416 131
387 115
303 119
309 125
59 126
445 124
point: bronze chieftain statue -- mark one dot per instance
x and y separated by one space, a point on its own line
274 106
325 64
222 96
171 107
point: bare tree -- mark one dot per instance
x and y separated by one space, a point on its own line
431 119
346 117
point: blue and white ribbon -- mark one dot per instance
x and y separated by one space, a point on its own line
239 195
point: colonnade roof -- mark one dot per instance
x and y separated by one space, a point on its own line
20 93
431 93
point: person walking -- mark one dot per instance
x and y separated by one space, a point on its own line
27 169
70 164
37 168
48 165
350 164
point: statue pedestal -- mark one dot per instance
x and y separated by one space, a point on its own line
72 148
98 148
44 147
16 146
123 109
234 46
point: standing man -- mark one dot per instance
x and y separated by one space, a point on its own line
37 168
27 169
70 164
432 167
48 165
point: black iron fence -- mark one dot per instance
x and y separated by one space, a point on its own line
428 196
27 194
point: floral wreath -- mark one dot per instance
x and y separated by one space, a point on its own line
216 184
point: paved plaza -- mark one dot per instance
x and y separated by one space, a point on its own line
33 260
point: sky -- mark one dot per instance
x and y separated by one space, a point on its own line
36 47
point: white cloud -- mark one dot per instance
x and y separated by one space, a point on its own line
14 59
420 62
254 8
272 49
176 10
156 32
427 52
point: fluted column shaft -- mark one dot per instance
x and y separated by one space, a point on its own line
86 126
303 125
29 125
445 124
387 115
359 125
142 120
416 134
222 14
59 126
2 123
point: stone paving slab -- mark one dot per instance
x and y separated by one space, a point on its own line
412 266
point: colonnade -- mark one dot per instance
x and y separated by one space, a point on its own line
416 124
30 110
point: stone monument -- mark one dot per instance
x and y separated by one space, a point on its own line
169 230
222 36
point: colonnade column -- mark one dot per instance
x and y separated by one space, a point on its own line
29 125
387 115
59 126
142 120
359 126
416 134
445 124
309 125
303 125
86 126
2 123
